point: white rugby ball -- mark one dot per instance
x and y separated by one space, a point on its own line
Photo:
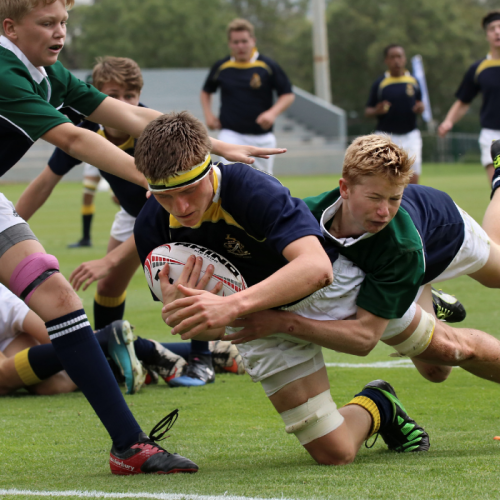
177 254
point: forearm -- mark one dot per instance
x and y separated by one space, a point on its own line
35 195
123 116
299 278
282 103
347 336
206 104
457 112
121 253
370 112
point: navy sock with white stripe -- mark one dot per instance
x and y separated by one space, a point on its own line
84 361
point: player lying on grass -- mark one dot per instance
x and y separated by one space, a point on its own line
28 359
33 87
272 238
120 78
403 239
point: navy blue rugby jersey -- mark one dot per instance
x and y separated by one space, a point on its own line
402 92
131 196
439 224
250 222
483 76
246 90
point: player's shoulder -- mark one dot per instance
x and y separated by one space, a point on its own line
242 177
379 80
14 73
217 64
319 203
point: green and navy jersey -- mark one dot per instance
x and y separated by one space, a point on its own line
413 249
250 221
30 100
402 92
246 90
131 196
483 76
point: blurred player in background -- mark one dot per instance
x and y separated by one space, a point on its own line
482 76
396 101
247 81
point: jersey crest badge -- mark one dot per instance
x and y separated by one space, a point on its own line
232 245
410 90
255 81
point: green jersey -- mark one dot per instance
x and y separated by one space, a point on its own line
393 259
30 100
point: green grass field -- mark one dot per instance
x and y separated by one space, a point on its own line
57 445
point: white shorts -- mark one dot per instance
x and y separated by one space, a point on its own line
262 141
123 226
279 359
412 144
90 171
486 137
13 228
13 312
473 253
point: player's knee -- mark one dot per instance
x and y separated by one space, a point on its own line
337 456
31 272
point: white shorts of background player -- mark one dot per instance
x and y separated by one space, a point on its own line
267 140
123 226
486 137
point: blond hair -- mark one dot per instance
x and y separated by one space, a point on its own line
122 70
371 155
171 144
239 24
17 9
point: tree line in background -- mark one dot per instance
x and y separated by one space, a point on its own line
191 33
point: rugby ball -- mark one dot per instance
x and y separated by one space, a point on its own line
177 254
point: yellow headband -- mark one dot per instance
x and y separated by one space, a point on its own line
182 179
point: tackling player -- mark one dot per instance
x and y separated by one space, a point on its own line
482 76
250 218
33 86
403 239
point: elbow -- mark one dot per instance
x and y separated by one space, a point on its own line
365 344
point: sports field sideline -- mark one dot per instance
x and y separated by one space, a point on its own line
55 446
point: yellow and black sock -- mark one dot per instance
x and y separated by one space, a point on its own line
37 363
87 215
108 309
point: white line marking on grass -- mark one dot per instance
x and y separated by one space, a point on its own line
103 494
400 363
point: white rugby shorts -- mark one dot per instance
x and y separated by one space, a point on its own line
90 171
13 312
123 226
261 141
486 137
411 143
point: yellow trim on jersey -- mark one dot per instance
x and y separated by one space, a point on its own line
397 79
128 144
182 179
110 301
487 63
88 209
23 368
245 65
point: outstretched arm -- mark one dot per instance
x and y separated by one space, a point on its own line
308 270
456 113
37 193
357 336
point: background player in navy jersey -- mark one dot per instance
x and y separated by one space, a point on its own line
272 239
247 81
396 101
33 87
482 76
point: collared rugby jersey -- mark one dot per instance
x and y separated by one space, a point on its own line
246 90
250 221
483 76
413 249
30 99
402 92
131 196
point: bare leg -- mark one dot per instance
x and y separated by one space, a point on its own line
489 169
340 446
